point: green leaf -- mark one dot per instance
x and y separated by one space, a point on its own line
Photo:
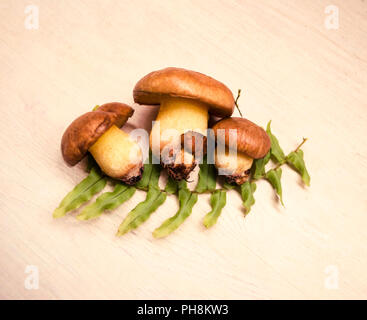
154 177
217 202
171 186
96 107
276 151
151 172
207 177
258 167
81 193
296 161
229 186
144 181
142 211
247 195
212 177
187 200
107 201
274 176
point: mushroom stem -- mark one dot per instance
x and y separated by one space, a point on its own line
177 116
118 155
236 168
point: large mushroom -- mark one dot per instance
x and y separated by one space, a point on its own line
186 98
252 142
98 132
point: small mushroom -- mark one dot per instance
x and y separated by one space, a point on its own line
252 143
98 132
186 98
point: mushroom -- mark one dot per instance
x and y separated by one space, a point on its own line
186 98
252 143
98 132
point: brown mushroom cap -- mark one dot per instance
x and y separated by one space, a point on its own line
84 131
177 82
252 140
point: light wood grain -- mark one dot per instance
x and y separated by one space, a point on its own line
310 81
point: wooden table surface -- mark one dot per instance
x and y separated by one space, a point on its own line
310 80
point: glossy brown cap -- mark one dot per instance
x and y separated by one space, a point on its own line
84 131
176 82
252 140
